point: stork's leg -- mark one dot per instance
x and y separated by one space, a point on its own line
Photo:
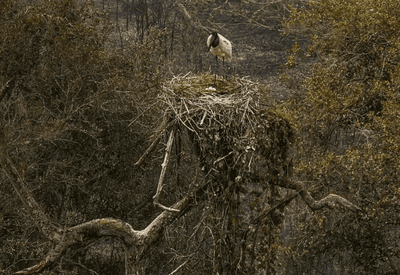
215 75
216 59
223 64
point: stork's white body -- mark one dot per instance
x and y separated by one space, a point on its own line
223 50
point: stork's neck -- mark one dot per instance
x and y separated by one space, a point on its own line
215 41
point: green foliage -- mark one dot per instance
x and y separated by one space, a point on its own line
345 108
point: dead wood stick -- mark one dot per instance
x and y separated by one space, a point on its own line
148 151
164 165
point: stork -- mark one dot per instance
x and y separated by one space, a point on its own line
220 47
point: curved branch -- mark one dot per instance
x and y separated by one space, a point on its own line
330 201
79 233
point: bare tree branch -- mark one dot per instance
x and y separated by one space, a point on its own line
164 166
135 241
330 201
77 234
148 151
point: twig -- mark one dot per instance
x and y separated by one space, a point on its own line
204 116
221 158
148 151
166 207
179 267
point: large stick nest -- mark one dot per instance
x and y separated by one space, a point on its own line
229 124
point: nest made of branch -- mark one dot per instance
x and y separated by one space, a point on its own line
227 121
195 102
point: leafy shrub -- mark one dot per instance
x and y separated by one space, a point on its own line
345 110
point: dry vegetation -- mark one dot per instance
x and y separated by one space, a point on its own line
92 103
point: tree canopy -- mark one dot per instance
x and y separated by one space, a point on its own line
345 105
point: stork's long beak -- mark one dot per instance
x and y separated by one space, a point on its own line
209 47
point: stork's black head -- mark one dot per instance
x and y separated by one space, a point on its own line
214 40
